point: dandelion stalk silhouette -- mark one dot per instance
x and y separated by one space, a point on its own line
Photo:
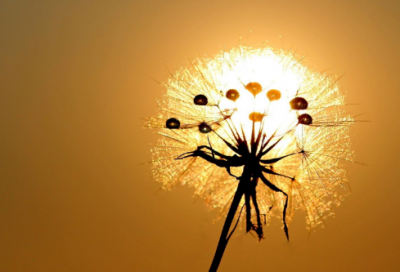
249 115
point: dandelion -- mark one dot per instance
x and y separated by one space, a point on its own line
254 131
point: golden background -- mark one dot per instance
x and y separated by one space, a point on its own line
76 84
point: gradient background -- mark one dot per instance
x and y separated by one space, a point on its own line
75 85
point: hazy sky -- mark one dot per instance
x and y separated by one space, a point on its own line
76 82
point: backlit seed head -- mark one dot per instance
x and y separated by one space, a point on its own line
232 94
200 100
233 114
299 103
305 119
273 95
204 128
254 87
173 123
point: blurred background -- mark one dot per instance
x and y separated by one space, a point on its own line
76 82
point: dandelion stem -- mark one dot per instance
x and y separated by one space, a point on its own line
224 238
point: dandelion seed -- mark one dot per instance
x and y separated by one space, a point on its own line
254 87
204 128
256 116
173 123
305 119
257 143
232 94
299 103
200 100
273 95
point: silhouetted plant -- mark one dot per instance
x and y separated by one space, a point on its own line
249 115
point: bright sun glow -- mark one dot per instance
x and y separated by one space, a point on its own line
267 69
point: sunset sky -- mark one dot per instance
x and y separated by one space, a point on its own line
77 81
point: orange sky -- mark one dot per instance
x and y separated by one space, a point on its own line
76 83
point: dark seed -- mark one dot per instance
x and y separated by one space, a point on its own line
305 119
273 95
232 94
254 87
173 123
256 116
200 100
204 128
299 103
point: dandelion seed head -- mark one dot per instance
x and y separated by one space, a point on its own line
273 91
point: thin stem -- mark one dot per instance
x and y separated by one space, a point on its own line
223 240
